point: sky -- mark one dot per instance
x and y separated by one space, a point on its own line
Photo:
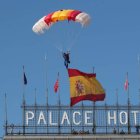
110 44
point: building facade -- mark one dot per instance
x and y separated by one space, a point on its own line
79 122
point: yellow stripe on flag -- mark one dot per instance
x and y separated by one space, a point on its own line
80 85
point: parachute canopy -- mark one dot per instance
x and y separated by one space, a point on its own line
47 21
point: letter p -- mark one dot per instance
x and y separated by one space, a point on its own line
29 116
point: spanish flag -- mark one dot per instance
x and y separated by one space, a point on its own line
84 86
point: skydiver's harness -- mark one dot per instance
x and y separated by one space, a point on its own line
66 58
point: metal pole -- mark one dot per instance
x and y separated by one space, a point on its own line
59 104
129 128
35 113
139 75
59 131
47 107
6 121
82 117
58 89
106 115
117 105
24 104
71 120
46 81
47 103
94 120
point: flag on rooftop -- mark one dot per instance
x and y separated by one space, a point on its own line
126 84
84 86
56 85
24 77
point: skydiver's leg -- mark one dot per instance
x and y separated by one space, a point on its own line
68 59
67 65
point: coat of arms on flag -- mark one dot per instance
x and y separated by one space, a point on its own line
84 86
79 88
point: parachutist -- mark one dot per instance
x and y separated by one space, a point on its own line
66 58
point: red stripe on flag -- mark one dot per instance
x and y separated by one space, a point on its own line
75 72
91 97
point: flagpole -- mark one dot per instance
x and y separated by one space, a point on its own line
57 90
23 87
59 103
46 89
117 97
106 115
129 129
82 116
46 81
117 103
23 103
35 112
94 121
139 97
139 75
139 79
6 120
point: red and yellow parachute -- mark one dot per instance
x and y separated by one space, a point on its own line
47 21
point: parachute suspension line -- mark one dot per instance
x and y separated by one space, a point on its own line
59 47
74 40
